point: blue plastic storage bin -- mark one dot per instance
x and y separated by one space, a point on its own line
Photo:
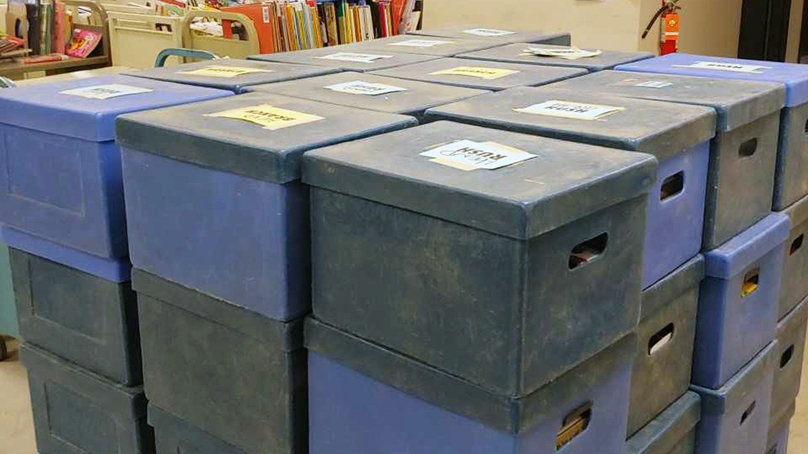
779 432
795 264
790 354
738 302
366 399
735 418
215 204
792 161
515 53
672 432
60 168
678 135
739 185
231 73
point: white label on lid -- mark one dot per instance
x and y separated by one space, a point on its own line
471 155
421 43
573 110
476 71
268 116
359 87
103 92
654 84
488 32
354 57
723 66
224 72
566 53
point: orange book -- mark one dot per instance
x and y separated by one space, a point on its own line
261 16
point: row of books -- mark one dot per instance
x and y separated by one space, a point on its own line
289 25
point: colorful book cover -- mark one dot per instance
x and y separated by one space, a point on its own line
331 22
83 43
60 33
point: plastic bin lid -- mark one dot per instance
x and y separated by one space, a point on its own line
231 74
559 183
515 53
423 45
733 393
500 35
798 212
114 270
744 249
669 428
794 76
265 146
503 413
49 108
346 59
287 336
683 279
485 75
371 92
737 102
794 321
661 129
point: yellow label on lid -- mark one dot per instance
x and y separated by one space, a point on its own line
476 71
225 72
268 116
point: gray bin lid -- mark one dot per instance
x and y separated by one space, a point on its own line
215 74
501 412
661 129
500 35
346 59
683 279
188 133
737 102
422 45
515 53
565 181
798 212
669 428
469 73
412 98
733 393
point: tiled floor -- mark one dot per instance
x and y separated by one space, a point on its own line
17 431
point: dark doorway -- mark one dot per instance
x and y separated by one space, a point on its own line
764 29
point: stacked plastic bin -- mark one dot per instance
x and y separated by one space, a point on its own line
759 276
457 294
219 238
517 53
62 206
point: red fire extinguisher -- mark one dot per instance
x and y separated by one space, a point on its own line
669 29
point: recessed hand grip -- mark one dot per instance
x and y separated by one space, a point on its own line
751 282
748 148
574 424
785 359
796 245
673 185
587 251
745 416
660 339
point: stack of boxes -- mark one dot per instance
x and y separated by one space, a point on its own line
591 266
62 206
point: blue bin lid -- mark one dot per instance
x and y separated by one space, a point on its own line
741 251
794 76
47 108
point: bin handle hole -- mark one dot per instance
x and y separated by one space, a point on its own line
672 186
772 450
660 339
751 282
806 126
786 358
574 424
748 148
588 251
797 244
745 416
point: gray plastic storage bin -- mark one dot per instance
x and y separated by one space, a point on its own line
173 435
735 418
372 92
422 45
665 339
515 53
789 358
678 135
78 412
484 75
495 276
672 432
367 399
795 265
345 59
499 35
233 373
740 182
215 204
779 432
81 317
231 74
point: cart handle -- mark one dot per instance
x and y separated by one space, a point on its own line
6 83
183 53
